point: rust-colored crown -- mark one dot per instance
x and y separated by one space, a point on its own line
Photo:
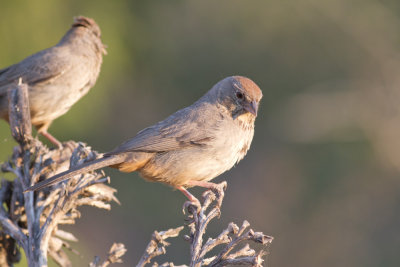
250 87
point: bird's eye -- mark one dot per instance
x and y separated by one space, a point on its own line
239 95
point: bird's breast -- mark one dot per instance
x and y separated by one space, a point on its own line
201 163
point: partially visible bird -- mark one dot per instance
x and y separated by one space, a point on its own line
190 147
58 76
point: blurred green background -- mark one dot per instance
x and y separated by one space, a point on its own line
322 175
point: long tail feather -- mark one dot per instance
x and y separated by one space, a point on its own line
86 167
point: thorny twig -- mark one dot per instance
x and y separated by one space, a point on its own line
117 250
231 237
157 245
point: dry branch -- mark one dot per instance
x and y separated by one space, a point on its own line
157 245
117 250
230 238
32 219
19 116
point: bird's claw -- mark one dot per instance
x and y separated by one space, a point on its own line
225 185
71 145
219 189
207 193
192 204
222 186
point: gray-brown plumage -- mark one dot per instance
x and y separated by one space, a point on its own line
193 145
57 77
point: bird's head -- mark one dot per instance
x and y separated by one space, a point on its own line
91 26
88 23
240 96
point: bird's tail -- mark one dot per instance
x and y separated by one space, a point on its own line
85 167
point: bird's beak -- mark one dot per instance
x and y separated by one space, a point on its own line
251 107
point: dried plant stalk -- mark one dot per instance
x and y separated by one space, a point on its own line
32 220
230 238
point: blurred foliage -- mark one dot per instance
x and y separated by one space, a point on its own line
322 176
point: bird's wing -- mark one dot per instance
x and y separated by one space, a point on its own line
186 128
41 67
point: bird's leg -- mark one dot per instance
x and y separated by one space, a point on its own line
192 199
51 138
42 129
219 188
209 185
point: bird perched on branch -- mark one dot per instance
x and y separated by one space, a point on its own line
190 147
58 76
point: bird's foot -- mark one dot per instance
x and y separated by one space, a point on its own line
71 145
219 189
193 201
191 204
